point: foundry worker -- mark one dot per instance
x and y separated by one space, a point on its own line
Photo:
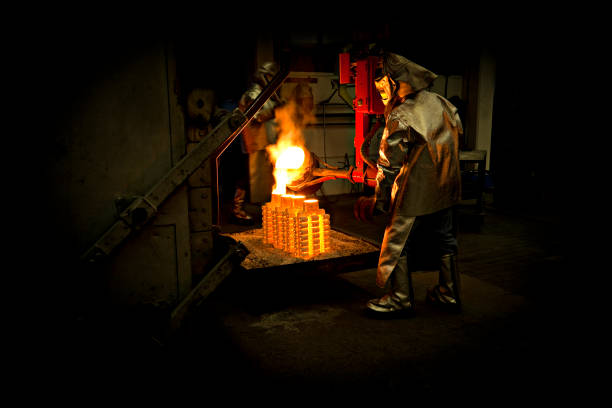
418 183
260 133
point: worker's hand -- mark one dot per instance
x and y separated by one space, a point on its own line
363 209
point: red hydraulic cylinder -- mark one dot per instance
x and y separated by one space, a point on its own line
362 125
345 68
367 102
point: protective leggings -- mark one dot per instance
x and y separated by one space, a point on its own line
436 231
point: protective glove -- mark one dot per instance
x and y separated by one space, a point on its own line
364 208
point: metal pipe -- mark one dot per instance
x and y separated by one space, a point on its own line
337 173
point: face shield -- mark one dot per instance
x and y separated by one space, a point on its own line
266 72
399 68
386 87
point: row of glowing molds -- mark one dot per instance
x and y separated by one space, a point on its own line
296 225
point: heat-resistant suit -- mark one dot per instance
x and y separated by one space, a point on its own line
418 168
260 133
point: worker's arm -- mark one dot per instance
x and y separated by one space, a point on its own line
267 110
392 156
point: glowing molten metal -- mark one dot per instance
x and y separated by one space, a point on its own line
291 222
287 168
291 158
296 225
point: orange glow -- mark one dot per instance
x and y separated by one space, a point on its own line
291 222
289 160
288 154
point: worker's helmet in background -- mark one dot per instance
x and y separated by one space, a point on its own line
266 72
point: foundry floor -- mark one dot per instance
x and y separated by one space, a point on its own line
263 336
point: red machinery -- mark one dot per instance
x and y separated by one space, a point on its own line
367 102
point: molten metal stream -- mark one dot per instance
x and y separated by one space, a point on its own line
289 160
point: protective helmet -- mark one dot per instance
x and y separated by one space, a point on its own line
266 72
401 69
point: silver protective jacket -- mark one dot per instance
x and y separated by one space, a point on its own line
255 135
418 168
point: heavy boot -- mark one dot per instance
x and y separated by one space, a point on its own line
399 302
447 293
239 216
